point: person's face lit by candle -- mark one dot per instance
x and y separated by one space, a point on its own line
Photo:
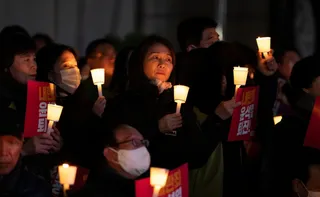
10 149
66 73
158 63
127 153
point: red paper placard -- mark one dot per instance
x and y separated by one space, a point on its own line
244 117
38 97
312 138
177 184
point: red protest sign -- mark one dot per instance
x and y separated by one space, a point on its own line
312 138
38 96
177 184
244 117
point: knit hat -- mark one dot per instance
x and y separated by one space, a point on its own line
305 72
9 124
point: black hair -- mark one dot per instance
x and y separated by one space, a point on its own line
12 30
136 73
18 44
47 57
279 54
92 47
9 123
44 37
120 76
82 62
190 30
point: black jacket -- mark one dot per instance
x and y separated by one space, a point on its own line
20 183
142 107
105 182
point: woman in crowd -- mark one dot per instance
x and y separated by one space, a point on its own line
148 105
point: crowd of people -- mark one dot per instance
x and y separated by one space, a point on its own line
134 125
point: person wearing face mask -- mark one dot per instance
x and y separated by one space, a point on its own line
148 105
57 64
305 178
125 159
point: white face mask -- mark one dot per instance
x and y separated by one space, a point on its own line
313 194
134 162
70 79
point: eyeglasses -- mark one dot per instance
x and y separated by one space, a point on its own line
136 142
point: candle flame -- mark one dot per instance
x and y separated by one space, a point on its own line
65 165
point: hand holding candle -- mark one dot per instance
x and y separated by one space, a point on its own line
67 176
239 77
158 179
180 95
98 78
53 115
264 45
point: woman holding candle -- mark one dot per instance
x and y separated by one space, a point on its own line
57 64
149 106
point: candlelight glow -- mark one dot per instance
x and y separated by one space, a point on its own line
264 44
180 93
54 112
67 174
240 75
97 76
277 119
158 177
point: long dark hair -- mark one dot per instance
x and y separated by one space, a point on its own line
120 75
135 71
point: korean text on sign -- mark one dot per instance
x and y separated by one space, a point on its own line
243 118
39 95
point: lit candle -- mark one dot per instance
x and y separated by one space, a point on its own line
98 78
67 176
158 179
53 115
239 77
180 95
264 44
277 119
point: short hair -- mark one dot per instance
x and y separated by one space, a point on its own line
9 123
92 47
111 135
190 30
18 44
44 37
305 72
11 30
47 57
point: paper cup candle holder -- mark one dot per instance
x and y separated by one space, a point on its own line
54 113
277 119
98 78
239 77
158 179
67 176
264 45
180 95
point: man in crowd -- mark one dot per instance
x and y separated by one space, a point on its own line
197 32
14 180
125 159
